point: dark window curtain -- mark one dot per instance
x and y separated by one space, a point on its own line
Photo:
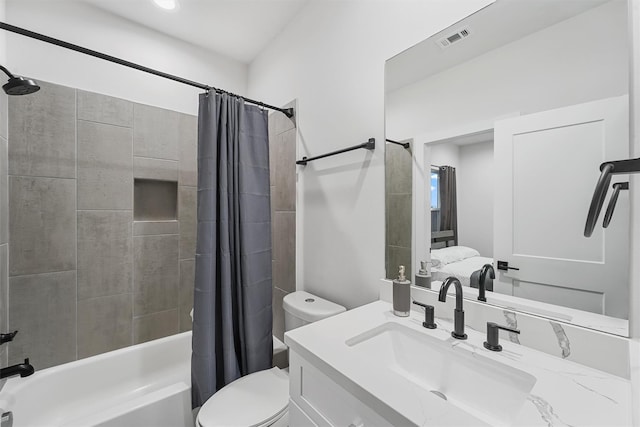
448 201
232 318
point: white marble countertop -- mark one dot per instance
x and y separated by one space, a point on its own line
565 393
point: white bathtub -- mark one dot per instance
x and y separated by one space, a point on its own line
145 385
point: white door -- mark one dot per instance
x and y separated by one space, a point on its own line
546 168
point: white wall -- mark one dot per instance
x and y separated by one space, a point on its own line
475 197
474 183
3 46
92 28
4 199
3 77
634 185
565 64
331 58
445 155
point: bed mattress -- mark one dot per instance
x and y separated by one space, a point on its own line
460 269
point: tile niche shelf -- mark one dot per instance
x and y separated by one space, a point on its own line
155 200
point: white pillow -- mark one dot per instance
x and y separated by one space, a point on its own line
444 256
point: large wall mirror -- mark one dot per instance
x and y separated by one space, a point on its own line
496 129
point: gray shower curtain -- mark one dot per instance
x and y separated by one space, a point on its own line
448 201
232 318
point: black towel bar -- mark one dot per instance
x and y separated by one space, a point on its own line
607 169
369 145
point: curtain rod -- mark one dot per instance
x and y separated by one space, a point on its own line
11 28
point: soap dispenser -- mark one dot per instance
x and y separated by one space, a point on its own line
401 294
423 277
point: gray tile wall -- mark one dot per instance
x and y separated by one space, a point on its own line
158 139
282 157
187 216
104 324
42 139
187 279
43 308
156 274
105 166
4 298
105 253
85 278
398 178
42 224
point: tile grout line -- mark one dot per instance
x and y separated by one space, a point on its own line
99 122
155 158
133 250
39 176
105 210
178 217
40 274
6 265
7 293
75 92
103 296
158 235
157 312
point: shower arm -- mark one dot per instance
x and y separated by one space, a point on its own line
7 72
607 170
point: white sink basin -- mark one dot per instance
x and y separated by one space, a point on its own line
482 387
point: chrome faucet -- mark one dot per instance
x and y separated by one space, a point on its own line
482 284
458 314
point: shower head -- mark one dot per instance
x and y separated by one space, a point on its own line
19 85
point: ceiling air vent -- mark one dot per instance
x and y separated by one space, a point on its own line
455 37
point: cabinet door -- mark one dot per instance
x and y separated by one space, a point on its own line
297 417
546 168
324 401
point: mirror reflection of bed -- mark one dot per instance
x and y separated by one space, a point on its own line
464 177
461 199
462 262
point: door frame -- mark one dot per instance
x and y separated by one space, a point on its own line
421 218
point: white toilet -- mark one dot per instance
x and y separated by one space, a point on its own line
261 399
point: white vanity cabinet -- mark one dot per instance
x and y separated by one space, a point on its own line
317 400
367 367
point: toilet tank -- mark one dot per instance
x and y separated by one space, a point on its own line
301 308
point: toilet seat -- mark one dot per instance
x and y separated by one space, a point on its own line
255 400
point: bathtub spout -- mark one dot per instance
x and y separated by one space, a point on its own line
23 369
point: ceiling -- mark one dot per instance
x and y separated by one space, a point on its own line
492 27
238 29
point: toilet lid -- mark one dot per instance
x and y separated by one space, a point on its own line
251 401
